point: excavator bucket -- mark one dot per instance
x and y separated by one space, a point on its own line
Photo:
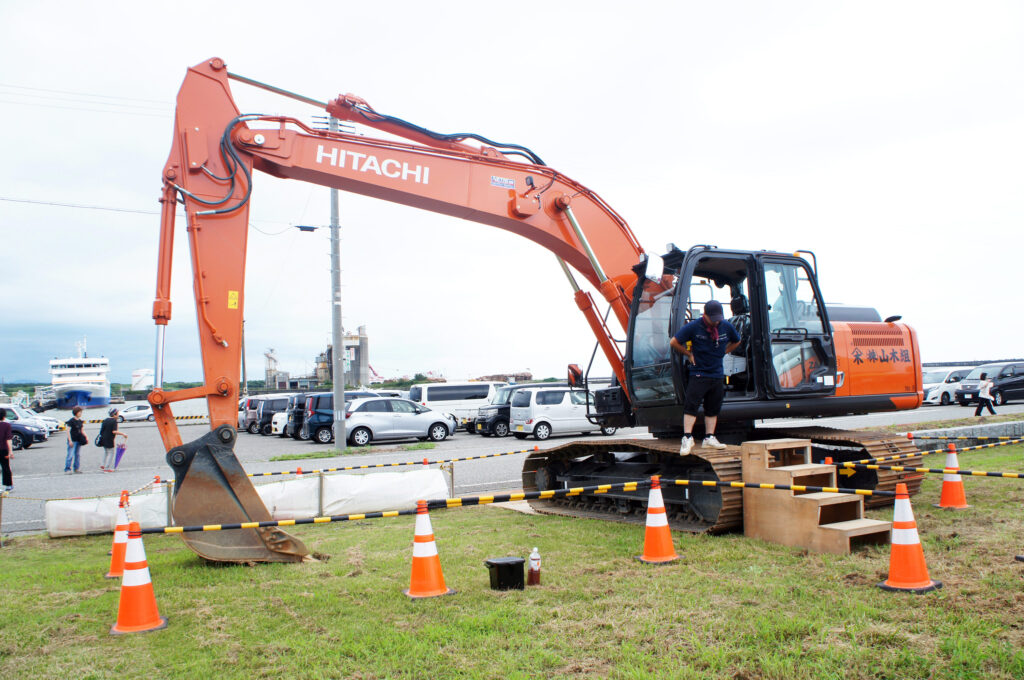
211 487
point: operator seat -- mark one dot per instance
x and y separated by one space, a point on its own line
740 320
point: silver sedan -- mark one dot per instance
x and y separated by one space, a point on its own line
379 418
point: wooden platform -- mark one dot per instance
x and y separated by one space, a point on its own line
821 522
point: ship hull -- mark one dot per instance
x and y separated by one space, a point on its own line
84 395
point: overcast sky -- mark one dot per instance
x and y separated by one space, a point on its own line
887 137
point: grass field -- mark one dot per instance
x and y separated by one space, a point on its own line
732 608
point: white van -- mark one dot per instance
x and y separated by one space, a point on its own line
941 384
544 411
462 400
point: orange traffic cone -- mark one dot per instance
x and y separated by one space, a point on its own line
427 580
907 568
658 548
136 612
120 539
952 497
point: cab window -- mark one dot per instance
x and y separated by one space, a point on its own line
521 398
791 300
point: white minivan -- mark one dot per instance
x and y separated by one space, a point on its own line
544 411
462 400
941 384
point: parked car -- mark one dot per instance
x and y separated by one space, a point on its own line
23 415
296 414
269 406
137 412
941 384
242 405
251 408
318 422
24 435
494 418
381 418
462 400
279 422
1007 382
544 411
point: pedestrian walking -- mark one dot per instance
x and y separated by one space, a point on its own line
76 437
985 395
6 451
710 338
108 433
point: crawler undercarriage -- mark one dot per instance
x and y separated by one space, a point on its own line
695 509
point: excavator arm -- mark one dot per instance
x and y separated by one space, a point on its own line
214 151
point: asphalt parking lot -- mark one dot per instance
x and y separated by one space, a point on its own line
38 471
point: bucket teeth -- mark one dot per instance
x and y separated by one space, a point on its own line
211 487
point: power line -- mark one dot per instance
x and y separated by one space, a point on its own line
79 205
82 108
83 94
58 204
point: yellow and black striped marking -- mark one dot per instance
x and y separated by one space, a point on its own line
1009 442
934 471
384 465
436 504
535 495
946 437
777 487
278 523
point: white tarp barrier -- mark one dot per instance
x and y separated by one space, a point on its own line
289 499
351 494
98 515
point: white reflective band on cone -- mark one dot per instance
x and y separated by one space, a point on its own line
905 537
655 500
423 525
424 549
951 464
121 536
657 519
136 577
902 511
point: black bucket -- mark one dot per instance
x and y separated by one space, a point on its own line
506 573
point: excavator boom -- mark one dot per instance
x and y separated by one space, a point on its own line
215 149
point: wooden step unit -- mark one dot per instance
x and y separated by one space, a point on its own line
819 521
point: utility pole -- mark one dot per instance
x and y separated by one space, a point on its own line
338 355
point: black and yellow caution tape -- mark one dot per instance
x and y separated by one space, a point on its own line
776 487
934 471
960 449
370 466
97 422
535 495
911 435
278 523
436 504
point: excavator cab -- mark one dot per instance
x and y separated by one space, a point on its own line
786 349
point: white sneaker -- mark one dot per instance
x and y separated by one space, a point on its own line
685 446
711 443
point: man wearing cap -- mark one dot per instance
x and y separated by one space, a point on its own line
108 431
710 338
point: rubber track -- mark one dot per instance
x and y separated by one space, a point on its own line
872 445
726 463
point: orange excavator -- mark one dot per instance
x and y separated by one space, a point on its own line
798 357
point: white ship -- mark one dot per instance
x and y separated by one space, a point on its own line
80 381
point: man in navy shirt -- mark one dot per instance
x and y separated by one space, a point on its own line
710 338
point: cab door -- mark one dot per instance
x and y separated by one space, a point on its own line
800 357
